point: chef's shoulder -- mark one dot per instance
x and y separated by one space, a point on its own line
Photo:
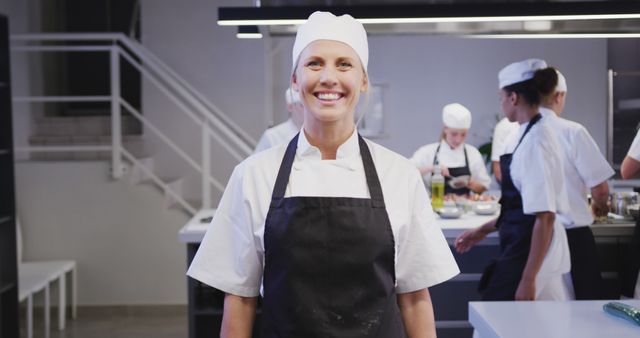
260 168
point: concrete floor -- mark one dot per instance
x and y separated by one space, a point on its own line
115 322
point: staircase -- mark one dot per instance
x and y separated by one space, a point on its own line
126 137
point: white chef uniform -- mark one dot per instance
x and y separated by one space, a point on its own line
277 135
584 168
231 255
501 137
535 172
634 152
452 158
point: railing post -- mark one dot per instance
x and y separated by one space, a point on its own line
116 134
206 165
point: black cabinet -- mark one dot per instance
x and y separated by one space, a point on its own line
8 264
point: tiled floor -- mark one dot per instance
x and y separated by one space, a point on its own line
116 322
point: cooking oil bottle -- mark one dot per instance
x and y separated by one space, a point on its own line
437 188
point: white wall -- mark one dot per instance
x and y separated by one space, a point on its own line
123 240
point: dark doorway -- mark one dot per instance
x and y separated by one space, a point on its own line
88 73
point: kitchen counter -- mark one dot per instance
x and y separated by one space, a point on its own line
194 230
549 319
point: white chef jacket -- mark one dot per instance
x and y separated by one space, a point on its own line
634 150
536 171
231 255
452 158
277 135
584 166
501 138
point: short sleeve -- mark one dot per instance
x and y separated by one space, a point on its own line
634 150
424 257
537 172
591 165
477 167
228 258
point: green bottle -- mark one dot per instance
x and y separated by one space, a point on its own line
437 189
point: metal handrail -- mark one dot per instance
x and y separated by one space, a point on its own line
203 106
230 136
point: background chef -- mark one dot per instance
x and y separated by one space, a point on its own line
585 170
456 158
534 253
631 274
285 131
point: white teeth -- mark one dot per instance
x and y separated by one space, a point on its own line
328 96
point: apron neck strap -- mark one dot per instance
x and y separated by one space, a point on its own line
375 190
533 121
464 148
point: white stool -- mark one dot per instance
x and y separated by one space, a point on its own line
36 275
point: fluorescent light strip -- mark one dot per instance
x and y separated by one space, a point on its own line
557 36
249 35
275 22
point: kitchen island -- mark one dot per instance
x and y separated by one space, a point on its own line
450 299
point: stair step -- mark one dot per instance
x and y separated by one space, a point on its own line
132 143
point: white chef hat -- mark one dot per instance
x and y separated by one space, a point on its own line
326 26
291 96
562 83
456 116
519 71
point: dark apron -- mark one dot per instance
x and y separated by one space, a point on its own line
585 269
501 278
329 263
631 265
454 172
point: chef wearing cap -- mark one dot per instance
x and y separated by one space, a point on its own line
534 253
284 132
462 164
336 229
502 133
585 170
629 169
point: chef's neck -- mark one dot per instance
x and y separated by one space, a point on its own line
525 113
328 136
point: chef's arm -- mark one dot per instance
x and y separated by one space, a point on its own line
417 314
599 199
540 241
238 316
496 170
630 168
476 187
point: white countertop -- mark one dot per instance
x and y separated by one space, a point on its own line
584 319
194 230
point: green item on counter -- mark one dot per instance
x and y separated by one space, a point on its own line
624 311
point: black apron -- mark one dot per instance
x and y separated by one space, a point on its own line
585 269
631 265
329 263
455 172
501 278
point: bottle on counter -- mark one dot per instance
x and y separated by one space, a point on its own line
437 188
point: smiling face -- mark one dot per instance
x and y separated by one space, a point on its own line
329 78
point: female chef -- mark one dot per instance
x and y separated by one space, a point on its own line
631 276
337 230
462 164
533 246
585 170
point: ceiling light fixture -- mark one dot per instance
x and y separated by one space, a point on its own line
248 32
435 13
